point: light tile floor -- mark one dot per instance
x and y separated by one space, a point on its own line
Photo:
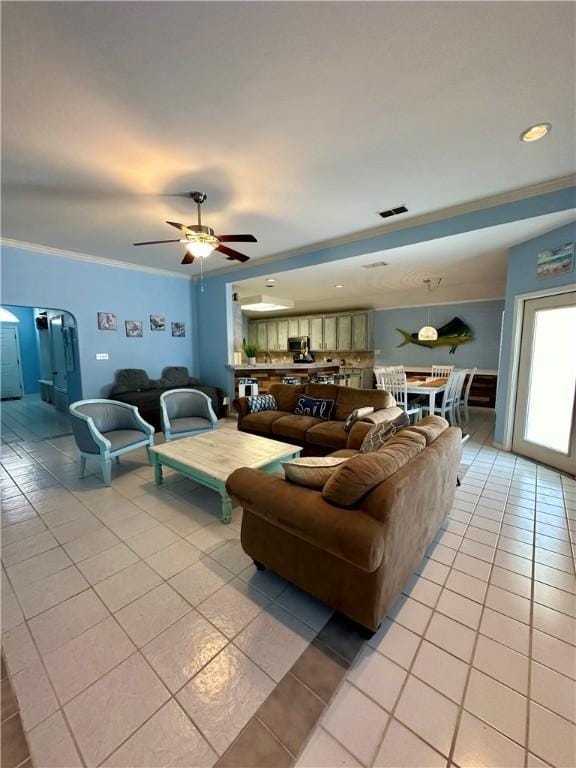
476 664
137 633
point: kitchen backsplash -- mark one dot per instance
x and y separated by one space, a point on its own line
352 359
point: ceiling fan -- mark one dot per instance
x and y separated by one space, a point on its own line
200 240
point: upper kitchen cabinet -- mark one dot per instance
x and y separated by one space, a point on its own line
283 335
303 326
272 334
252 332
316 334
293 328
360 331
331 332
262 334
344 333
339 331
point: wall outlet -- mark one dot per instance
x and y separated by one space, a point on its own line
102 356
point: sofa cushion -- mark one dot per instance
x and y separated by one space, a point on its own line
262 422
379 434
257 403
356 415
311 406
189 424
322 391
311 471
349 399
431 427
122 438
131 380
286 395
293 427
354 479
175 376
328 434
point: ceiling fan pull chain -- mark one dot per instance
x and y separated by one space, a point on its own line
201 274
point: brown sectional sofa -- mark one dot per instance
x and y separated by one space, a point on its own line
352 550
316 437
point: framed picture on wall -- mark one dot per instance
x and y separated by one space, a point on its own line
178 329
157 323
133 328
107 321
555 261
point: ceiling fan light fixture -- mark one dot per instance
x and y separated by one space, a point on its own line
200 248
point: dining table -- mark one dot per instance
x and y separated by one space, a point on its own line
426 385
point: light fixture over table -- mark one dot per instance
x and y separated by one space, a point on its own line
428 332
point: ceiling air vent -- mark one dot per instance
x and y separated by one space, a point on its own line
375 264
393 211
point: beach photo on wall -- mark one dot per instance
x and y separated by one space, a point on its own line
133 328
556 261
157 323
107 321
178 329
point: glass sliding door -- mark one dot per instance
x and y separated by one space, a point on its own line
544 426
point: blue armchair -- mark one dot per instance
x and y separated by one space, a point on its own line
107 429
186 412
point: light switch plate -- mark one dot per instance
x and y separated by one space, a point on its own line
102 356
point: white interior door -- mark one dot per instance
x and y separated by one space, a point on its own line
11 369
544 423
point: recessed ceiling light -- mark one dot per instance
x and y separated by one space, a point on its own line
338 286
536 132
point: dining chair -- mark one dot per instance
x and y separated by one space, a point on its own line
397 385
465 395
441 371
446 409
106 429
186 412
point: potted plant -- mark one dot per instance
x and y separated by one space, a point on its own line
250 350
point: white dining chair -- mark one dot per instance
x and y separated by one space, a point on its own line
397 385
465 394
459 379
441 371
446 409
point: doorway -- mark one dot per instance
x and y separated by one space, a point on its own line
545 413
11 385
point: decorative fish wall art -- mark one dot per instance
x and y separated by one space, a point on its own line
452 335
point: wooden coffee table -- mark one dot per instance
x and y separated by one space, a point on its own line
210 458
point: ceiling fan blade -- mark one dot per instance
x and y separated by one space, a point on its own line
232 255
157 242
237 239
188 259
181 227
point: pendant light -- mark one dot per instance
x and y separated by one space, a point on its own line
428 332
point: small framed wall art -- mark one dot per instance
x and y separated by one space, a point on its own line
178 329
157 323
133 328
107 321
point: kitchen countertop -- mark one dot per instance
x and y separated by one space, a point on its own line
283 366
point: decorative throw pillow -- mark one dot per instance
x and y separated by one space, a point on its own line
381 433
257 403
356 415
312 471
310 406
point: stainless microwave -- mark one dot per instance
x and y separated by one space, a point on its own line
298 343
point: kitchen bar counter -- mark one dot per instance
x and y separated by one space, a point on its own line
291 367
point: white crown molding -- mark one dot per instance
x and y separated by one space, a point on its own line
492 201
439 304
46 250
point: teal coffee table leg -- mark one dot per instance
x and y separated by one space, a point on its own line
226 505
157 470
